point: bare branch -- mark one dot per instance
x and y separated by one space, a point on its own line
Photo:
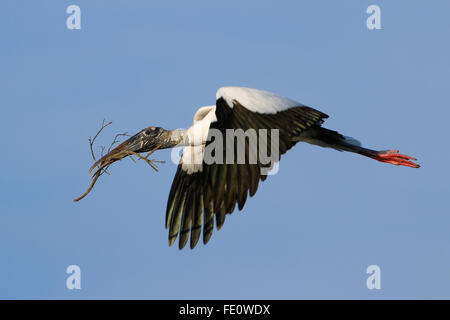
91 141
109 159
94 180
102 150
125 134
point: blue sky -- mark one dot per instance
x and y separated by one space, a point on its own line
310 232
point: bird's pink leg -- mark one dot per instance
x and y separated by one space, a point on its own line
393 157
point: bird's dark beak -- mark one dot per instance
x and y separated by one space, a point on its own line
143 141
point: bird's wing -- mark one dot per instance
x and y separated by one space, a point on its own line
197 196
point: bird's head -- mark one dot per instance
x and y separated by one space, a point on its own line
146 140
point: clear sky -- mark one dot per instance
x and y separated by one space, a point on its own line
311 231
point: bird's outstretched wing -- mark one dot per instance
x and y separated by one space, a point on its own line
198 197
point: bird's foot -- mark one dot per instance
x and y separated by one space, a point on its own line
393 157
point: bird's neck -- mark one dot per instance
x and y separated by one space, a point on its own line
173 138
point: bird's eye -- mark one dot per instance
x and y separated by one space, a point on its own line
149 130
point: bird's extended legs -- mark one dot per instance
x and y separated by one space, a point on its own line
393 157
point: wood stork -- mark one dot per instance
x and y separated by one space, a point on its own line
201 192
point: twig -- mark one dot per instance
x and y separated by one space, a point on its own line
102 151
91 141
150 162
94 180
115 139
104 164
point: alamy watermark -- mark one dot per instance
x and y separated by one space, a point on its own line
74 280
374 280
373 22
236 146
74 20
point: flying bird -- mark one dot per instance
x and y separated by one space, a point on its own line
204 192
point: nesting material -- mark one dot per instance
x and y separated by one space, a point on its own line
101 166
